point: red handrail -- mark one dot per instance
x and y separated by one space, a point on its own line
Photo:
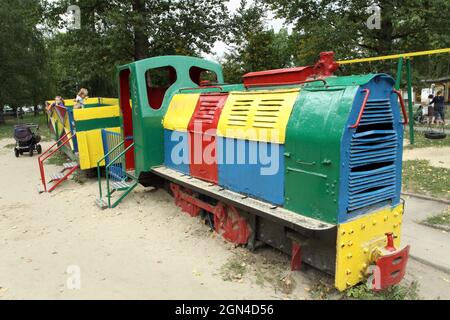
363 106
46 151
48 154
402 105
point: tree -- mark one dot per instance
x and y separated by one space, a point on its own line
22 54
341 26
254 47
120 31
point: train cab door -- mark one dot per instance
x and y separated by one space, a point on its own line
127 118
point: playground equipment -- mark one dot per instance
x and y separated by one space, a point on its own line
330 194
78 134
400 58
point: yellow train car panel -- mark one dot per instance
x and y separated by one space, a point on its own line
358 240
96 113
257 116
90 147
87 122
180 111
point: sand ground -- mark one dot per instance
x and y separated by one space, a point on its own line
144 249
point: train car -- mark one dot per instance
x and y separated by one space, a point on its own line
302 160
77 133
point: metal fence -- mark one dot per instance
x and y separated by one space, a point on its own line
113 162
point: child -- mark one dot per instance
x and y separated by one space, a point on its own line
79 100
59 101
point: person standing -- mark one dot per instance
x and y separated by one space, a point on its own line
439 108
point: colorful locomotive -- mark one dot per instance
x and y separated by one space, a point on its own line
302 160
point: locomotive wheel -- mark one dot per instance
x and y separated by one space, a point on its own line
432 135
16 152
231 225
31 152
39 149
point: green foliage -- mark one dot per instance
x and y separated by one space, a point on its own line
340 26
58 159
397 292
420 177
23 57
120 31
254 47
7 129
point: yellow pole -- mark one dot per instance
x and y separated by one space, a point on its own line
397 56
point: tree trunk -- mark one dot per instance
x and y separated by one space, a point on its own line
387 28
140 38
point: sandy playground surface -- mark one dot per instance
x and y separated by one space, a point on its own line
144 249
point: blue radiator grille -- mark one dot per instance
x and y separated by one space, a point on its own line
372 155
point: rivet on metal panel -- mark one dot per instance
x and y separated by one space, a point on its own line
363 226
385 218
348 284
349 256
351 231
349 272
396 214
364 265
342 245
365 250
374 222
350 243
395 225
343 232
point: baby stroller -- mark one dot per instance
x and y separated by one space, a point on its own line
27 139
419 115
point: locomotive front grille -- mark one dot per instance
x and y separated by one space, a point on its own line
373 152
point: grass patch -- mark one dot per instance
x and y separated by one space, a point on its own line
275 276
79 177
397 292
58 159
324 291
6 128
420 177
421 142
234 269
265 271
441 219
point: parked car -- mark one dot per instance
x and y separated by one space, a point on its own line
29 109
8 111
